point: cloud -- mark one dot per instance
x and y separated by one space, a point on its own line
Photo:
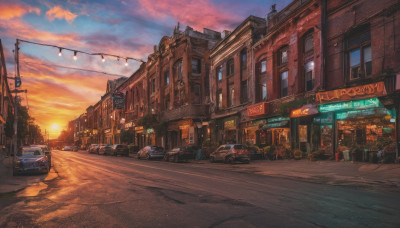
9 11
59 13
195 13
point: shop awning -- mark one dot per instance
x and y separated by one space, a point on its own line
276 125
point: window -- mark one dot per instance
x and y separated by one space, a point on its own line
263 66
179 71
309 75
231 95
219 101
231 67
166 77
283 56
196 66
284 84
196 91
219 73
153 85
264 89
243 59
181 96
167 102
359 55
308 59
243 90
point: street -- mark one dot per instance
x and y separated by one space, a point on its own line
91 190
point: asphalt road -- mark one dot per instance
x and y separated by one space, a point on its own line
87 190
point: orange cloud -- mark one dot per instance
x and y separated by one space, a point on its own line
10 11
59 13
195 13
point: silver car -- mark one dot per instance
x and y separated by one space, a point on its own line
151 152
230 153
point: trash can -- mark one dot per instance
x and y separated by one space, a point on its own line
346 155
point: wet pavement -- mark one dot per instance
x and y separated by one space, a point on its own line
90 190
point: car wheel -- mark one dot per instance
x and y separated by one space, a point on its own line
231 160
147 157
212 159
176 159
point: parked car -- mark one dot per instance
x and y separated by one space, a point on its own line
120 149
105 149
30 159
67 148
181 153
46 151
230 153
151 152
92 149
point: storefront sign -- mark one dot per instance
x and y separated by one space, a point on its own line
257 109
229 124
360 104
106 131
150 130
278 119
128 125
359 92
324 119
276 125
139 129
118 100
304 111
365 112
258 122
182 127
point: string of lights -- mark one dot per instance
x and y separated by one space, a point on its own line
73 68
75 51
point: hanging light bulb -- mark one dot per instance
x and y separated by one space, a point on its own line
59 52
103 59
126 62
75 58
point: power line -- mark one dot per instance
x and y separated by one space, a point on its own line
73 68
84 52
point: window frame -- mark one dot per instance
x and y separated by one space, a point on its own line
197 69
361 45
166 78
230 67
243 63
219 73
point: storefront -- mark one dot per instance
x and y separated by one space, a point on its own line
253 133
365 123
305 131
108 136
276 132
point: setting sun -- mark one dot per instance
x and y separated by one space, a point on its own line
55 127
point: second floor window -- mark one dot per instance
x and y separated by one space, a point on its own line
179 70
308 59
263 66
219 73
196 66
230 67
359 55
231 95
219 100
283 56
243 90
284 84
166 77
243 59
309 75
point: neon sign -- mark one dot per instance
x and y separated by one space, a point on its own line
360 104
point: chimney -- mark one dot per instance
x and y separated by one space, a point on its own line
271 14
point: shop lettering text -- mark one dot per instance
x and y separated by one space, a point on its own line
359 92
257 109
304 111
360 104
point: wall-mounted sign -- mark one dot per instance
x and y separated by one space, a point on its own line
106 131
304 111
229 124
360 104
365 112
324 119
276 124
139 129
278 119
353 93
128 125
258 109
150 130
118 100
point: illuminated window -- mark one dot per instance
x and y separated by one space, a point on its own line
359 55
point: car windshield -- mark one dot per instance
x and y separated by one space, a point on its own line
239 147
32 151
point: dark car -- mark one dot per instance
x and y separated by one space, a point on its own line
230 153
30 159
150 152
119 149
181 153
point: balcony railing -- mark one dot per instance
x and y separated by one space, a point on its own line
192 111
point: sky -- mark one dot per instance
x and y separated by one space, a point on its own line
61 88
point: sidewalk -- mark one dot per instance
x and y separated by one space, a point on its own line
10 183
361 175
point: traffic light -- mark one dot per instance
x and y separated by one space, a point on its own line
17 82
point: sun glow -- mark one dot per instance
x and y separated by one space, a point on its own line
55 127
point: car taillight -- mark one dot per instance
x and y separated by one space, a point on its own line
246 152
235 151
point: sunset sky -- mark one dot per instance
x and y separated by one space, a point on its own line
125 28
